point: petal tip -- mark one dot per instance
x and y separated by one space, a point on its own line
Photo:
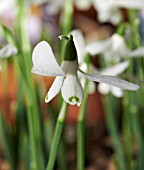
136 87
46 99
78 104
74 100
60 37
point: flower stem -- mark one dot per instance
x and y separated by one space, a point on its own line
80 130
33 165
113 130
57 136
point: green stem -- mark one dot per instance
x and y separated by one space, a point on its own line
6 143
136 99
6 85
136 122
113 130
80 134
57 136
34 164
62 162
80 130
127 132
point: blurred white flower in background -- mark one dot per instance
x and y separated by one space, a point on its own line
113 71
7 51
7 9
109 10
114 49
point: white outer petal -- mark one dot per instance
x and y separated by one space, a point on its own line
97 47
7 51
114 81
116 69
35 71
139 52
79 44
55 88
44 60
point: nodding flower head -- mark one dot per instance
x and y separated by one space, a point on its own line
67 80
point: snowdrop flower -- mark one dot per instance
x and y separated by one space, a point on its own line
44 63
114 49
113 71
7 9
108 10
83 4
7 51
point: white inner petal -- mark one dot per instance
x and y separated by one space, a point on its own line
72 91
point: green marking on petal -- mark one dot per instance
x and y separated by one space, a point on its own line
46 98
74 99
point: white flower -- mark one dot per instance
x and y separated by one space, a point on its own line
7 9
83 4
113 71
114 49
44 63
108 10
7 51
